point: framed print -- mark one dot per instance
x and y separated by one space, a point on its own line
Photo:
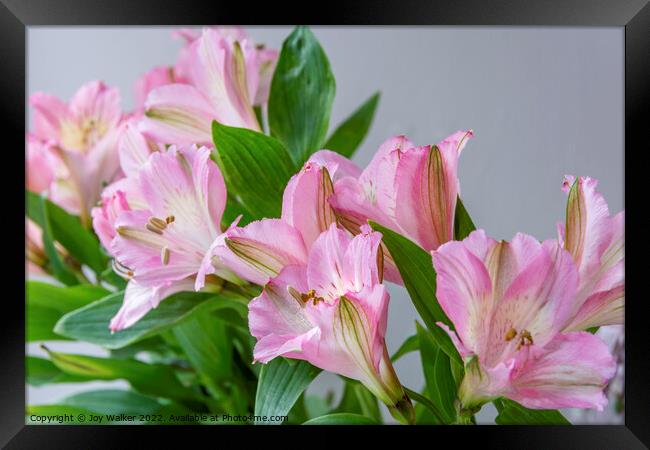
402 217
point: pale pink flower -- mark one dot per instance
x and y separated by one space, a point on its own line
509 303
227 75
158 223
40 165
596 241
153 78
407 188
113 203
423 179
34 250
332 312
261 249
82 140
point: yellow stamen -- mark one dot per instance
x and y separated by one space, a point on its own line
525 339
510 335
153 229
164 255
311 295
158 223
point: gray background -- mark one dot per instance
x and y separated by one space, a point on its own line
543 102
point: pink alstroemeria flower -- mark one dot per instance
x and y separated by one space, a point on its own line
226 76
261 249
509 303
422 178
595 240
40 165
158 223
82 138
34 252
332 312
150 80
124 194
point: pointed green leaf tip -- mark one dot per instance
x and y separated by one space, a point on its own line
301 97
351 133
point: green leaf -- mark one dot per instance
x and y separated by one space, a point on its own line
66 229
256 168
341 419
46 303
301 96
359 400
154 379
40 322
441 385
208 347
411 344
315 406
59 269
512 413
280 384
463 224
114 402
416 268
233 210
350 134
368 402
90 323
41 371
155 346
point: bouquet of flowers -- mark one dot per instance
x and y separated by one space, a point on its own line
223 248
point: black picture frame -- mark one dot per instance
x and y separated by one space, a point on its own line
633 15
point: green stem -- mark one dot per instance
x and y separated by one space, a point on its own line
426 403
403 411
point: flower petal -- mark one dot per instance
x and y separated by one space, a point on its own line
139 300
40 165
337 165
278 320
351 341
326 267
48 114
427 185
218 71
570 372
587 226
600 309
212 264
538 301
261 250
178 114
464 290
156 77
104 216
97 102
188 185
266 61
133 149
379 177
186 195
305 202
362 266
140 249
